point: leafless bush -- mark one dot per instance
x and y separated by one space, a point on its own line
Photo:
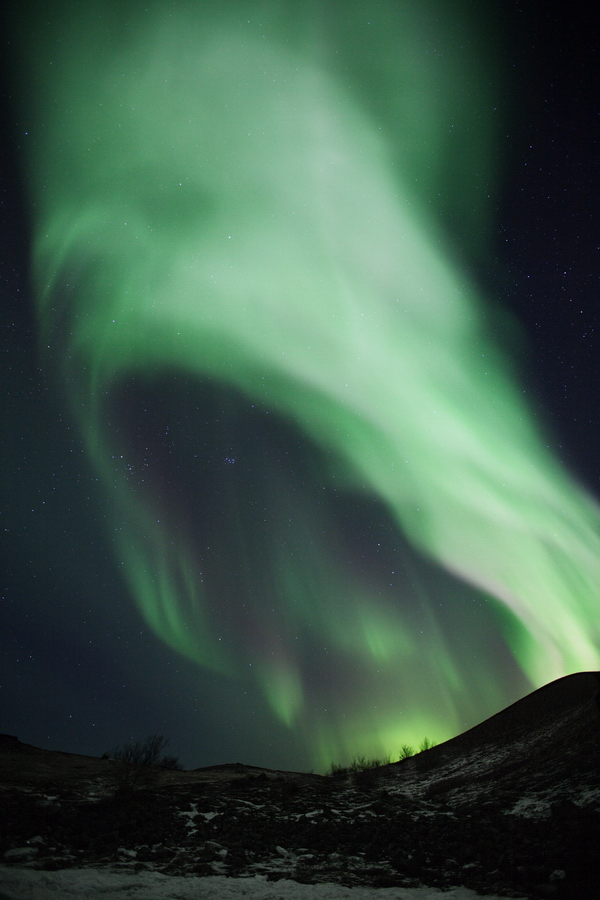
406 751
136 763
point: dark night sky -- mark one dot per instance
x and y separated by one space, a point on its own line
80 670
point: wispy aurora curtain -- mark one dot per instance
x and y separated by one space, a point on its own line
246 218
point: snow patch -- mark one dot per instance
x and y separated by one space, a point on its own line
106 884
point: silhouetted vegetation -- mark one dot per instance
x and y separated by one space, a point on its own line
136 763
363 763
359 764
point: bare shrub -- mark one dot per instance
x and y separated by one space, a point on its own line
406 751
136 763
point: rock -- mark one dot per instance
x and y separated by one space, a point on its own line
21 853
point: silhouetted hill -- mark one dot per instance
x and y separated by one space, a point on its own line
510 807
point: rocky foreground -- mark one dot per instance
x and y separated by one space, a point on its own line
511 807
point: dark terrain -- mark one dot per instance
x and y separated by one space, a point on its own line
510 807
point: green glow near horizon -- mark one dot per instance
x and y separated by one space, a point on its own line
254 199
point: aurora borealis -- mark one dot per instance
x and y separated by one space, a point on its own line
252 235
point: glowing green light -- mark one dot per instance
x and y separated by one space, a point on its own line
253 201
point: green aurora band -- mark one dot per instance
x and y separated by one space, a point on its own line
241 216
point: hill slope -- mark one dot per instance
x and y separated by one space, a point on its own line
511 807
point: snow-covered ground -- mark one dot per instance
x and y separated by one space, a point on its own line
104 884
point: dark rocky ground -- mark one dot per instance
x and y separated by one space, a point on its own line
511 807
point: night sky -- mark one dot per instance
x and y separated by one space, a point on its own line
299 383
